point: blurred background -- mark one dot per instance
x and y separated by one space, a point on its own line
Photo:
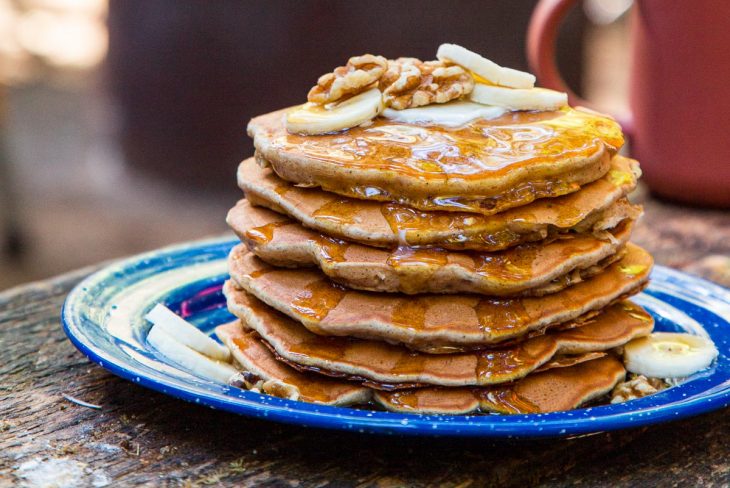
122 122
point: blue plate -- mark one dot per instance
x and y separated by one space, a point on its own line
103 317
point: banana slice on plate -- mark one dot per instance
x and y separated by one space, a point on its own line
484 68
186 333
182 355
519 99
311 118
669 355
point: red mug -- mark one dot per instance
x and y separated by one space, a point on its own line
679 95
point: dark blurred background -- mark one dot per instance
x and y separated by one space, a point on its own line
121 123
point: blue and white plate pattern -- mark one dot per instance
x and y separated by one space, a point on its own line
103 317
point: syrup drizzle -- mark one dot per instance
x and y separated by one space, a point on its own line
494 318
318 299
265 233
479 148
311 389
343 211
438 156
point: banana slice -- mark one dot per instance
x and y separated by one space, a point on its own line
187 358
186 333
484 68
451 114
312 119
669 355
519 99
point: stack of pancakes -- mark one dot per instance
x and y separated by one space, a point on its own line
483 268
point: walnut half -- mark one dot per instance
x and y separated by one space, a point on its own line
410 82
356 76
637 387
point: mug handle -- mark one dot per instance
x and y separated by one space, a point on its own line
541 35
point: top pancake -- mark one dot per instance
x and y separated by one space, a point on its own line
484 167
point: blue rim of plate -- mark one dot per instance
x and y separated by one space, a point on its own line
103 318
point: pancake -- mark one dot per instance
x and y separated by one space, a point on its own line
277 379
556 389
380 362
596 207
431 323
485 166
530 269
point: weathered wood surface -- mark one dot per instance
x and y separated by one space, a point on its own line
140 437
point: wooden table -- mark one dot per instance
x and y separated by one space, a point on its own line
142 437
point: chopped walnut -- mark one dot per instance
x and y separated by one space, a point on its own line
359 74
637 387
409 82
247 380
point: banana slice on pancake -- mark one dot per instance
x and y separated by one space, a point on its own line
669 355
313 119
484 68
541 99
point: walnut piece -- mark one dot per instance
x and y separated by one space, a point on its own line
358 75
636 387
410 82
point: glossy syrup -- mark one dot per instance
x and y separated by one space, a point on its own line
343 211
501 315
415 264
497 365
504 399
410 312
265 233
318 298
463 230
331 249
481 147
457 229
311 389
401 365
493 317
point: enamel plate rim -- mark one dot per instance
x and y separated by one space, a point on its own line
92 319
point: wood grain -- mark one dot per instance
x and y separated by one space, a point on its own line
142 437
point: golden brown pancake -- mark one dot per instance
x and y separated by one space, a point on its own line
596 207
431 322
531 269
558 388
278 379
553 390
484 167
380 362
